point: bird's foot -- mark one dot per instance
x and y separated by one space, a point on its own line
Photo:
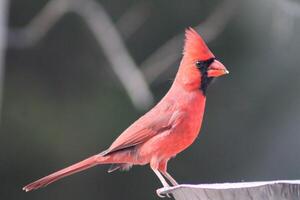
160 192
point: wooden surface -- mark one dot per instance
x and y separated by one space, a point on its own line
270 190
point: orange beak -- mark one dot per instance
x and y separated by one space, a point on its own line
216 69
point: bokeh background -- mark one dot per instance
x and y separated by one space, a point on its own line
77 73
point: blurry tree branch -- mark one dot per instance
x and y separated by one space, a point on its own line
3 32
134 18
105 33
159 61
39 25
110 40
114 48
284 16
291 7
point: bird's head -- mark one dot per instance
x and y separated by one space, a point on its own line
199 65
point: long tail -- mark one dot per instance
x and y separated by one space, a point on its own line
85 164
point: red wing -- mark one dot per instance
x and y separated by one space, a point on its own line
142 130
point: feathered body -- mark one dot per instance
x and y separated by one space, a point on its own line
168 128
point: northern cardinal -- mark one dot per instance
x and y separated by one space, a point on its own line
168 128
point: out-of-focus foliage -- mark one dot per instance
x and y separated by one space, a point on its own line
62 102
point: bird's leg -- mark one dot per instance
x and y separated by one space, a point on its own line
170 178
163 169
163 181
154 166
161 178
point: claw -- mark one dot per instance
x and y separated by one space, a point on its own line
160 191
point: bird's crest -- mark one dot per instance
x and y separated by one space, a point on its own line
195 46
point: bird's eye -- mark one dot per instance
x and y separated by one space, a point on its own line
199 64
205 63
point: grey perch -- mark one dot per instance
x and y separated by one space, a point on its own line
269 190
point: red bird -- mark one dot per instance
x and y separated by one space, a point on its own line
168 128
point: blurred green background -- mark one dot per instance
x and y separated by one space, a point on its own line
63 102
